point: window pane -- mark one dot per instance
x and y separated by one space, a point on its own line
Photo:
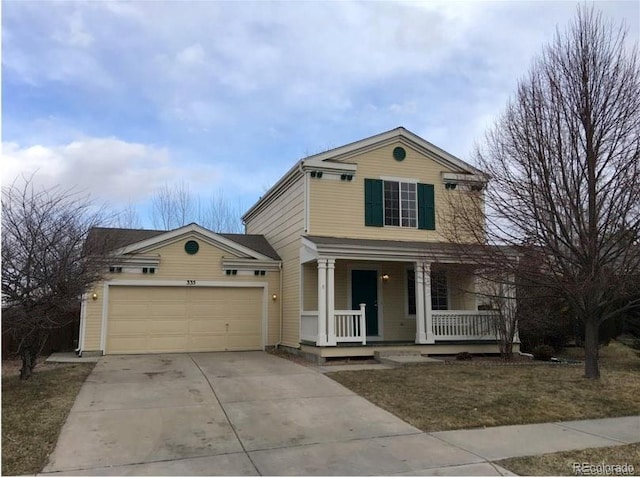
411 292
391 203
439 298
408 204
400 204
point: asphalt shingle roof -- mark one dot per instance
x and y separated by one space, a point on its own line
101 239
255 242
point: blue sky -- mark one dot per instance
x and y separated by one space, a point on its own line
119 98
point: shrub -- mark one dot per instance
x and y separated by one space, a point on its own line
464 356
543 320
543 352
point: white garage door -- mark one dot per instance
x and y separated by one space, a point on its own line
183 319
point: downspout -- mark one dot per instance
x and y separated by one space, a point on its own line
305 183
281 309
83 314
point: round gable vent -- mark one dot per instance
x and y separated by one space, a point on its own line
399 153
191 247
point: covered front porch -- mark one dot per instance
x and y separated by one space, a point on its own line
371 292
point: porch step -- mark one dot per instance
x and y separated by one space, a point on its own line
403 358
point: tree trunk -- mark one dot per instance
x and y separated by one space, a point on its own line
27 365
591 349
506 348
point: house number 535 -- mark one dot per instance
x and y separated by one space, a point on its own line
191 282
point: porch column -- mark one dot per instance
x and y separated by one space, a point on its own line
421 336
331 322
322 302
427 304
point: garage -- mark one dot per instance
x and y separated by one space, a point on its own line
181 291
170 319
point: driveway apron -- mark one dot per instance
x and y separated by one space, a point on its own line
240 413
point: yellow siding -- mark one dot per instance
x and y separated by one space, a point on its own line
93 319
461 289
337 207
176 264
341 285
282 223
310 284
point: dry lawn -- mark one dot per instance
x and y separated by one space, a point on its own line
561 463
33 413
437 397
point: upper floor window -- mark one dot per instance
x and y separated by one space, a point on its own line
400 204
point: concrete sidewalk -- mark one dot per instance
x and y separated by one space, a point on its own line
496 443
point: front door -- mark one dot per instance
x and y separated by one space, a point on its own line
364 289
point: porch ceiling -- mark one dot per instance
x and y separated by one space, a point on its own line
390 250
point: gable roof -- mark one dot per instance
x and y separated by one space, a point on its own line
342 154
401 134
122 241
255 242
107 239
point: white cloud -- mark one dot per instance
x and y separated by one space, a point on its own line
75 34
192 55
209 77
307 55
408 107
108 168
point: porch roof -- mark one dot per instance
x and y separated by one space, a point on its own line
391 250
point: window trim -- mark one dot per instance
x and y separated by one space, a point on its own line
400 181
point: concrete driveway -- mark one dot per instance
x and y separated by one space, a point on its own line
241 413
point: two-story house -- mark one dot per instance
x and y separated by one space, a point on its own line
365 260
345 254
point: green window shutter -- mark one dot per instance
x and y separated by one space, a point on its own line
373 215
426 207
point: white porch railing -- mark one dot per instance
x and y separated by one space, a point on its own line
350 325
449 325
309 326
453 325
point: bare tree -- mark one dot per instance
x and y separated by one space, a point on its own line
175 206
44 269
497 293
219 215
172 206
128 218
564 159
